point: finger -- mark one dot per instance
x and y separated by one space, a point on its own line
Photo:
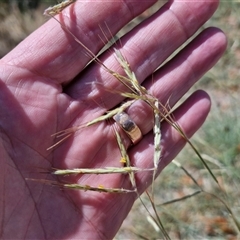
202 53
145 48
174 79
190 116
178 75
53 53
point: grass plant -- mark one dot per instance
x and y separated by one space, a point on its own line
193 204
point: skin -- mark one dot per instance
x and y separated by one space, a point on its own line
44 89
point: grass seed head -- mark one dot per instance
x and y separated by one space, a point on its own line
58 8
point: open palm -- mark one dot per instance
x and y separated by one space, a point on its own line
44 89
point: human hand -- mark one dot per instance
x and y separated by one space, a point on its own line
45 89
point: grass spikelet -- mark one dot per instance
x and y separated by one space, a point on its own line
106 170
96 189
69 131
157 135
157 140
56 9
131 77
111 113
125 156
76 186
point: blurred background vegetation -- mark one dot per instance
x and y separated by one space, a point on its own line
18 18
204 215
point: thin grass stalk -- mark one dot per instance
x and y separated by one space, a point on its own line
235 220
158 222
176 126
181 199
187 173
